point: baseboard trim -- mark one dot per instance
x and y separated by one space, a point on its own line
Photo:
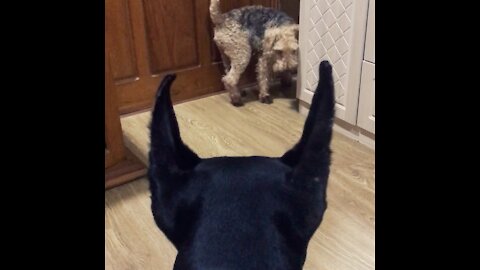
353 132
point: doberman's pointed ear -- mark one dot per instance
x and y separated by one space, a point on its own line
310 157
168 154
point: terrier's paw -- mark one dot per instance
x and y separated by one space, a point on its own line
266 99
237 101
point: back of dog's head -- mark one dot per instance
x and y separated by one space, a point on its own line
241 212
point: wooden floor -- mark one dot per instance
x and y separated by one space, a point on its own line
212 127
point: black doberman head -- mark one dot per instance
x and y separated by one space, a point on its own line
241 212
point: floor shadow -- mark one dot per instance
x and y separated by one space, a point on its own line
277 90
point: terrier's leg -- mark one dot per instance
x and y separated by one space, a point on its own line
238 66
225 61
238 51
263 79
286 78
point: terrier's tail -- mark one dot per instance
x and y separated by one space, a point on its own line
215 12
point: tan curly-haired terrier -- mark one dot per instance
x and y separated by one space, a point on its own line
255 30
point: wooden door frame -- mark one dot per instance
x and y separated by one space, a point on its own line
114 151
121 165
137 92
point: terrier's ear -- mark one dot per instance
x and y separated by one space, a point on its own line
168 154
310 158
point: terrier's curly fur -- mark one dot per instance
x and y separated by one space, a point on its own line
270 33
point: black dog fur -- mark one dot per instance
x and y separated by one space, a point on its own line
241 212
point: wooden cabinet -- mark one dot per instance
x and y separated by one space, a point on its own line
114 151
120 165
342 32
144 40
150 38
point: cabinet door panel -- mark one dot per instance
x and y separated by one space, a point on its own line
366 109
114 151
370 42
151 38
334 31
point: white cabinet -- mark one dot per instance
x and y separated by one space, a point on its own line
366 108
342 32
370 41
